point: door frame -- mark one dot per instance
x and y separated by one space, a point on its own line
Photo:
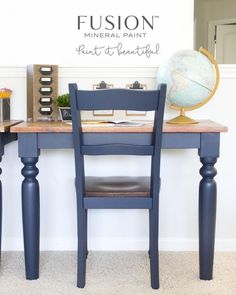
212 30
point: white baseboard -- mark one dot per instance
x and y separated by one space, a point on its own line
118 244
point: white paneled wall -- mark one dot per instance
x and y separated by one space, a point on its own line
121 229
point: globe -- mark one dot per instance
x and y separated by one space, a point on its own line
192 78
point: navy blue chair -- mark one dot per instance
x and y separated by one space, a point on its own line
117 192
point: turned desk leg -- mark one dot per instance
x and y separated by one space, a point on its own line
30 212
208 153
207 217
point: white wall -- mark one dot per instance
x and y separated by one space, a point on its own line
122 229
46 31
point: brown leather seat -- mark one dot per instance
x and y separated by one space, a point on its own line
117 186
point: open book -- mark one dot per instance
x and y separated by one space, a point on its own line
113 123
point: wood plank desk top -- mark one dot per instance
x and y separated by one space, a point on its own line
46 127
6 125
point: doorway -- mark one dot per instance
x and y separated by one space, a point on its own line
222 40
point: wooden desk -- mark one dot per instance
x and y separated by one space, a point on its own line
205 137
5 138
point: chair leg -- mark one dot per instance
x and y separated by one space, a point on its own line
82 248
149 250
154 259
86 233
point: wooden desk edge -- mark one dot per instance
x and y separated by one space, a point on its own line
204 126
5 126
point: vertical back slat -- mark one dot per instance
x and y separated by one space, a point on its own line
157 133
77 139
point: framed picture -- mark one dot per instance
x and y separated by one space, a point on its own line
136 113
65 114
97 113
103 113
136 85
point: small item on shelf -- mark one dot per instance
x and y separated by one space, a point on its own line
136 85
42 91
63 103
100 86
5 111
5 93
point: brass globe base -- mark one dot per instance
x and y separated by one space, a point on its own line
182 119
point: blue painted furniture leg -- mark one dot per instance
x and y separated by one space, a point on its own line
154 226
0 210
30 211
86 232
149 249
154 259
82 247
208 152
207 217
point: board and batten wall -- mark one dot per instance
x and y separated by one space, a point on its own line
122 229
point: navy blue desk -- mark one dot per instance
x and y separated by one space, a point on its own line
205 137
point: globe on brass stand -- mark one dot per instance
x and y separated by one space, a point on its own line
192 78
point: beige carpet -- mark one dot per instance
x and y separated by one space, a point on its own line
117 273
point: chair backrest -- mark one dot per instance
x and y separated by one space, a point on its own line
117 99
